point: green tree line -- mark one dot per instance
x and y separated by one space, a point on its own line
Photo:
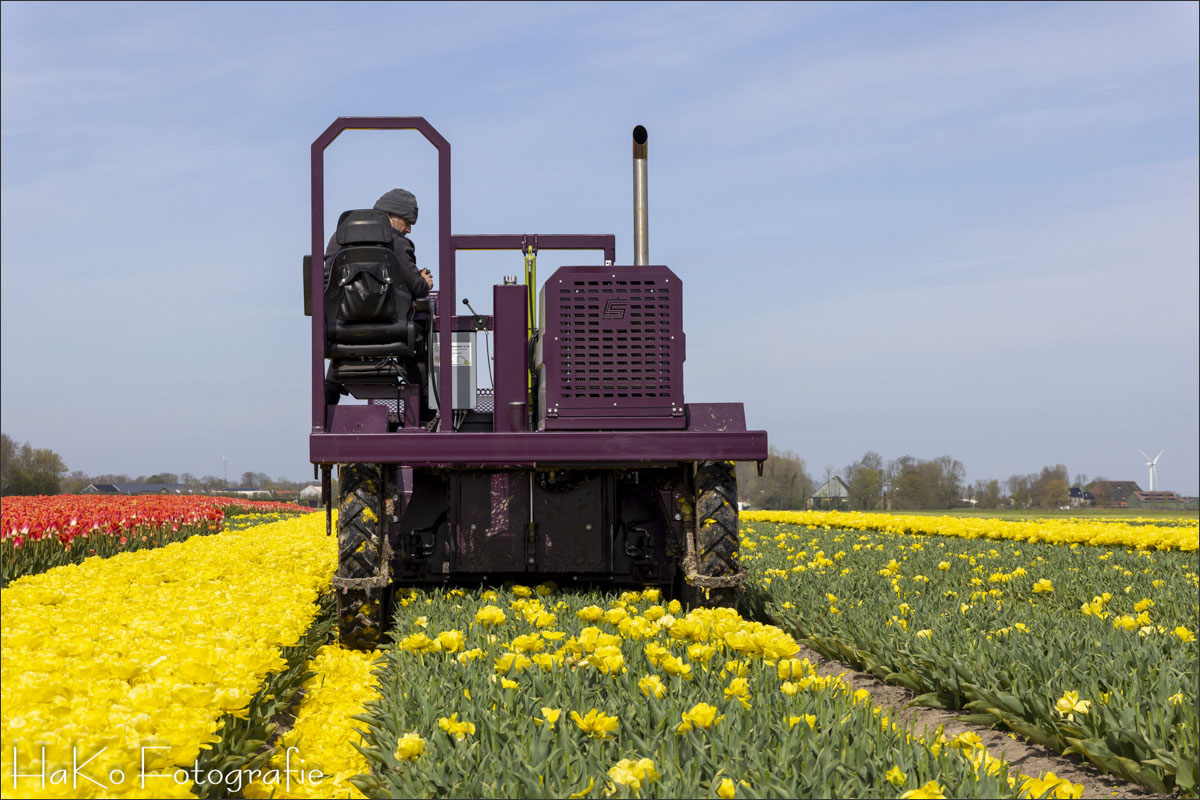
905 483
29 470
26 470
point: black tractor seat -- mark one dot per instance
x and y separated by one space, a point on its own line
370 336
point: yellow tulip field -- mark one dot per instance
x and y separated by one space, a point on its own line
168 671
1087 649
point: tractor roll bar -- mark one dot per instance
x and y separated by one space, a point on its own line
445 250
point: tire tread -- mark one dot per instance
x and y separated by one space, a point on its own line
361 612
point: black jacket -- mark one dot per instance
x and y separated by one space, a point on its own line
413 280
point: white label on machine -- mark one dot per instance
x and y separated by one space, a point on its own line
462 357
462 353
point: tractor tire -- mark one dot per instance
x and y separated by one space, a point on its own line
716 534
361 611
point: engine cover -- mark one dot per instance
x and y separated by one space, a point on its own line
611 349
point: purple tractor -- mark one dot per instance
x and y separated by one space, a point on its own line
582 463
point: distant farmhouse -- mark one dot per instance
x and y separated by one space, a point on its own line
834 493
1127 494
1081 497
311 495
137 488
1159 500
1113 494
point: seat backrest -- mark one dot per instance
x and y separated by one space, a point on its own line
365 289
365 226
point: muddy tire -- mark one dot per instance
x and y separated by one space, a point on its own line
716 526
361 612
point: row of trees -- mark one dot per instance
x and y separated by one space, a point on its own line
785 482
77 481
905 483
29 470
1049 489
901 483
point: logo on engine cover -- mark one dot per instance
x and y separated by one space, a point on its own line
615 309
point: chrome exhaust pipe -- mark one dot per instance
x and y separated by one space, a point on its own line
641 203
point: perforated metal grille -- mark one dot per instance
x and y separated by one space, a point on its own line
483 402
615 338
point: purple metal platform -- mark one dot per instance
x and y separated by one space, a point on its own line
540 448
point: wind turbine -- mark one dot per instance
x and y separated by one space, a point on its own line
1152 463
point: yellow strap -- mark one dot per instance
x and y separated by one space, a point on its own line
531 289
531 312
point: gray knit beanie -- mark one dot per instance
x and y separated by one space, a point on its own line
400 202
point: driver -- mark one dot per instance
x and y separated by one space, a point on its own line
401 207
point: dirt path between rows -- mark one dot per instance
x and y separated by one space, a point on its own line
1022 756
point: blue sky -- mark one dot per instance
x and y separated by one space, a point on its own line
919 229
